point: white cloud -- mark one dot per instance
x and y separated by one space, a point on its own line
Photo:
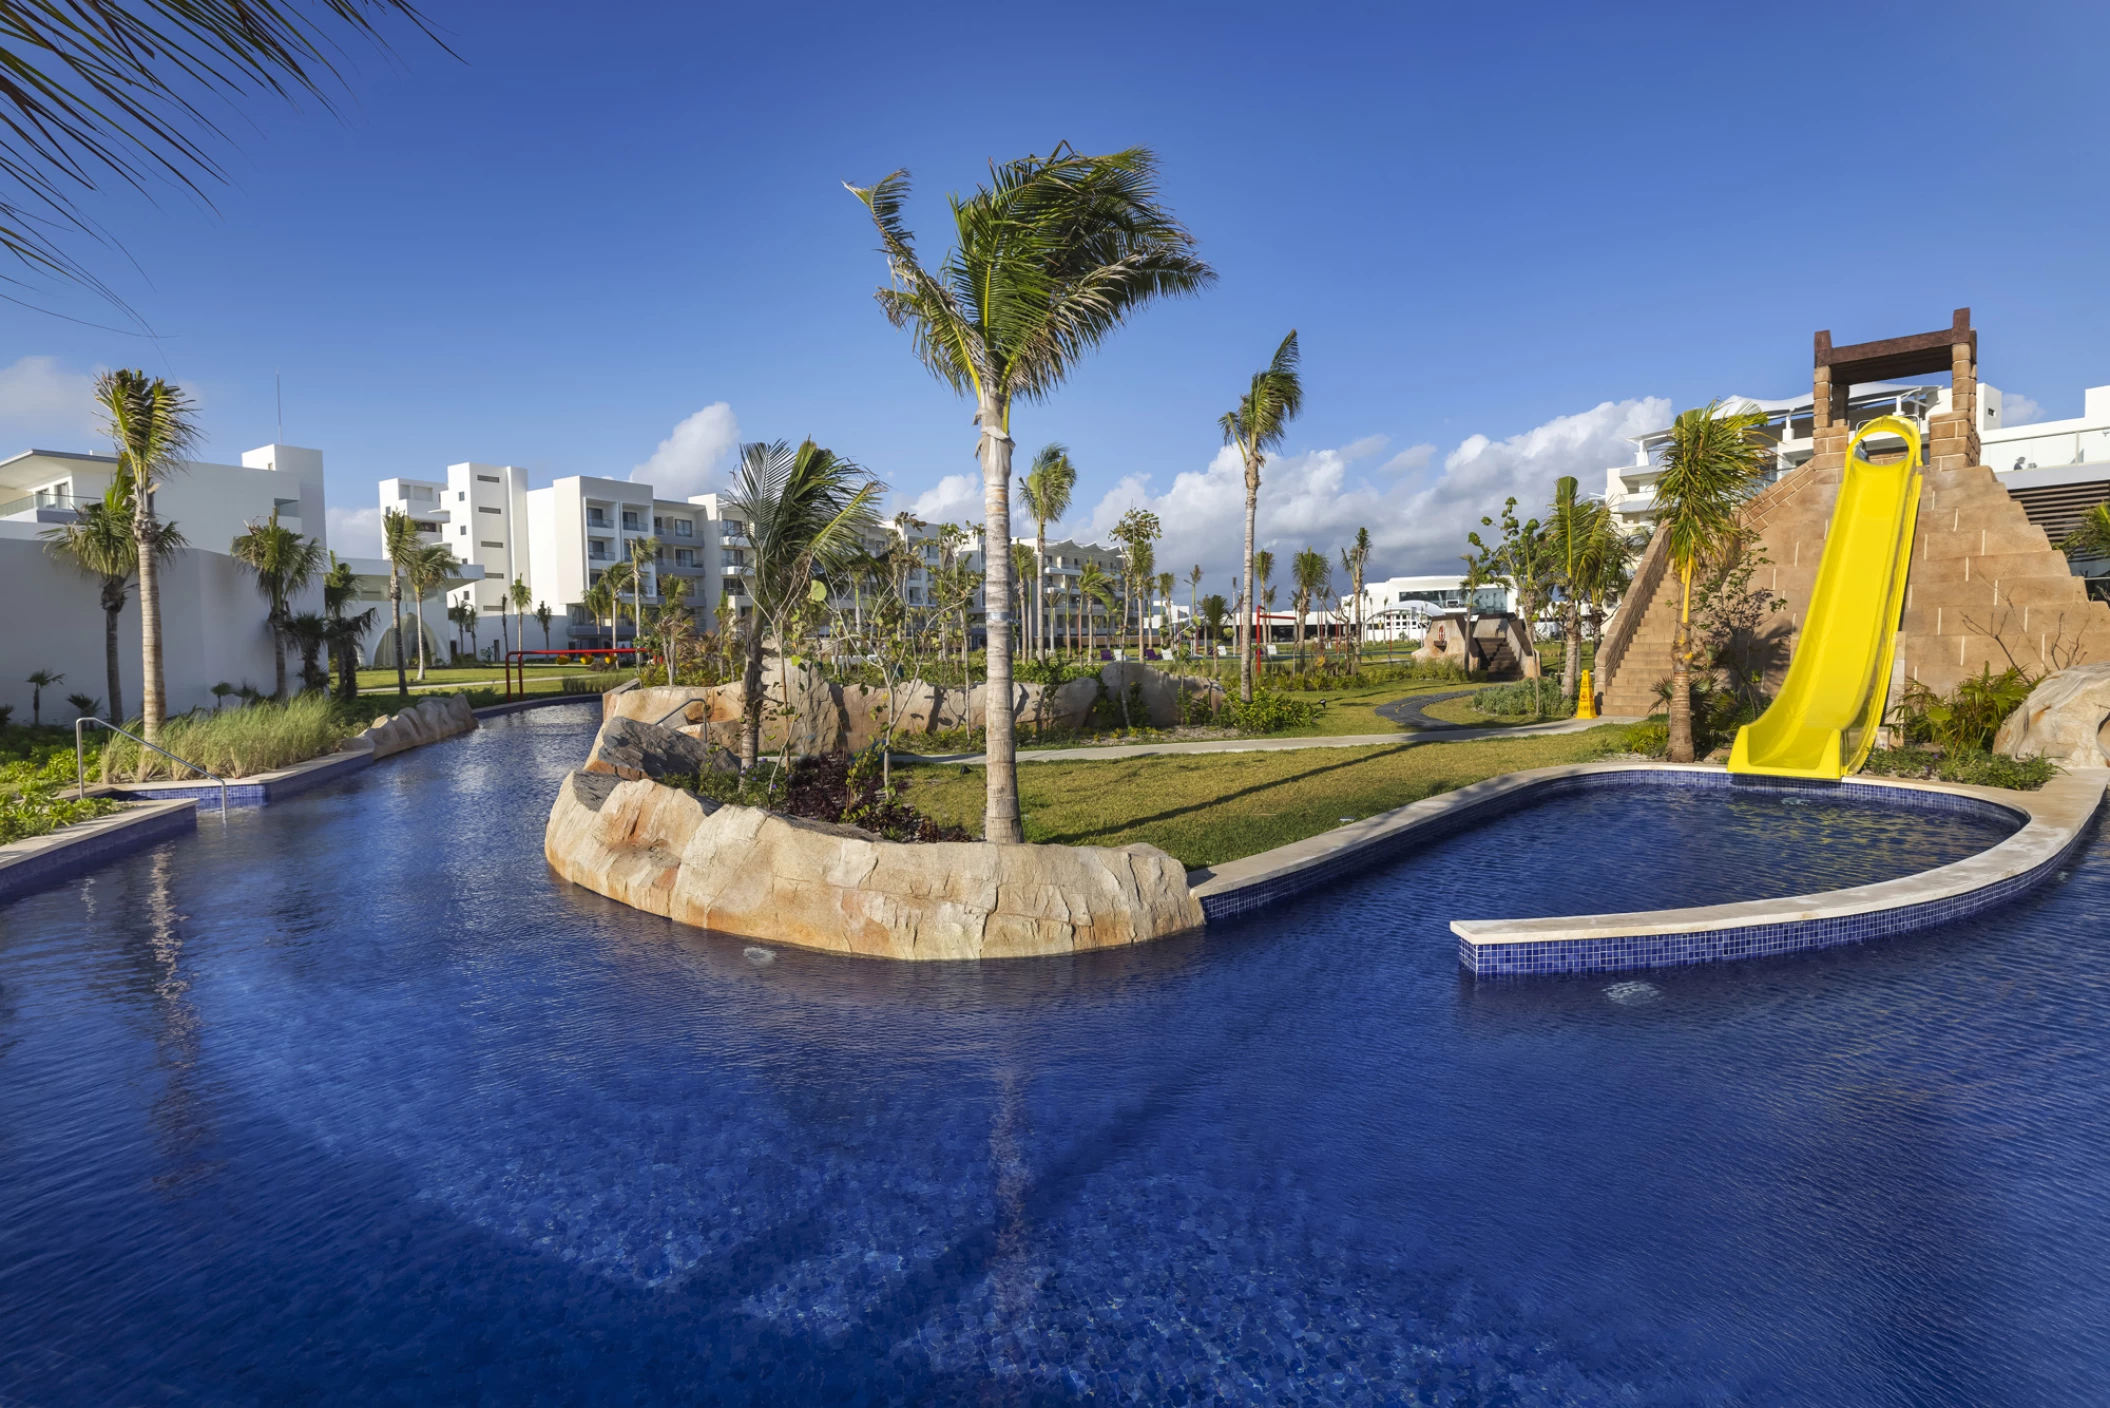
1413 457
1417 523
355 532
2015 409
957 498
687 461
36 393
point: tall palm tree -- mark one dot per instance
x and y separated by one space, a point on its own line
673 615
1713 463
617 579
1262 602
543 616
1256 425
1194 586
1051 257
1048 487
1094 588
521 598
1580 544
99 542
807 510
284 563
310 632
430 567
401 545
642 551
1166 582
599 601
153 427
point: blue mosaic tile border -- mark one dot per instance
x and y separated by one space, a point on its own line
85 853
250 792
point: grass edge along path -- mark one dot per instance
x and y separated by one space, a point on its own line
1206 809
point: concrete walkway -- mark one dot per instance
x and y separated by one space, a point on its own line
1456 733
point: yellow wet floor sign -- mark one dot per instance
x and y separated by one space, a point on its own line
1823 722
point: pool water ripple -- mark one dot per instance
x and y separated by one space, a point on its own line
351 1102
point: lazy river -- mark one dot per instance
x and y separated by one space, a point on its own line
351 1102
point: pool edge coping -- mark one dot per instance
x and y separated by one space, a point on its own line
39 861
2054 820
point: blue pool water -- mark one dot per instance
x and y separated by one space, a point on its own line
350 1103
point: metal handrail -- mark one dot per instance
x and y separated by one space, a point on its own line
80 758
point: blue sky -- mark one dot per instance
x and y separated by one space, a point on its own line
1507 234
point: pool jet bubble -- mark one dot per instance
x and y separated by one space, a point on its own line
759 956
1633 994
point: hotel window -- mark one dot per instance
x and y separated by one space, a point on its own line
630 521
460 495
481 509
487 479
483 542
684 557
426 527
595 518
684 529
464 530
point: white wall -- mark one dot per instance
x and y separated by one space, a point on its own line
212 629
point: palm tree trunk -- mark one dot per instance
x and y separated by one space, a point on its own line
1246 619
1571 666
395 603
1040 590
115 681
751 704
1680 676
1000 820
153 703
276 621
419 607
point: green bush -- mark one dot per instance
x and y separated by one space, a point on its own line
1052 673
599 683
1965 720
1518 700
1650 738
1975 768
1271 712
236 742
36 811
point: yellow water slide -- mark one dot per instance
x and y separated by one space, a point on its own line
1824 720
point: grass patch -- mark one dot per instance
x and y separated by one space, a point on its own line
238 742
36 769
1352 712
1208 808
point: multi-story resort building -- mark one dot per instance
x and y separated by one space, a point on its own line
212 617
1400 608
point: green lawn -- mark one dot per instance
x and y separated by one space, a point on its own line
1461 711
464 674
1350 712
1213 807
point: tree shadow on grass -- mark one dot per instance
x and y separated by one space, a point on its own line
1088 836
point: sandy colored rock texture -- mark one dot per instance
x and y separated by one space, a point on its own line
744 871
427 721
2061 720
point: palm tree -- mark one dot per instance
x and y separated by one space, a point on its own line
543 615
642 551
284 563
152 425
38 683
85 706
2090 539
99 543
1048 487
1710 467
600 601
430 566
400 542
109 89
807 509
521 598
1214 612
310 632
1256 425
1353 561
339 589
220 692
1582 548
1194 585
1259 604
1309 572
1094 588
673 615
1052 256
1166 582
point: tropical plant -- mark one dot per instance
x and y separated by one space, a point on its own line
544 615
220 692
285 563
1311 578
1713 462
806 509
107 88
310 632
642 551
1165 584
153 428
1965 720
599 601
99 542
401 545
1048 487
1354 559
521 598
1094 588
1051 257
340 588
85 706
1573 534
1215 611
1136 531
2090 539
430 567
1194 586
1256 425
38 682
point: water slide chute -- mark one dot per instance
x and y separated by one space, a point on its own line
1823 722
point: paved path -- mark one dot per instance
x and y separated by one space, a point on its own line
1114 751
1408 713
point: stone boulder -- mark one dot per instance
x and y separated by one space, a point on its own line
630 748
427 721
752 873
2061 720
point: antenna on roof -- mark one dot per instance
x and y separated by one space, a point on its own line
278 389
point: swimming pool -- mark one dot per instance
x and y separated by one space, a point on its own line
351 1103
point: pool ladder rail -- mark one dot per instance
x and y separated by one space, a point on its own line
80 758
